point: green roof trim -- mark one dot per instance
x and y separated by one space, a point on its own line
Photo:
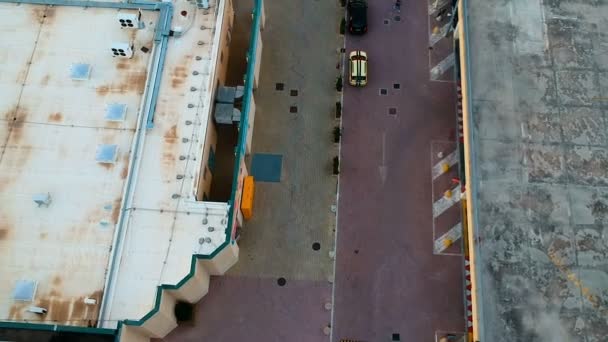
58 328
240 150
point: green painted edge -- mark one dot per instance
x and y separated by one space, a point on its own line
58 328
240 150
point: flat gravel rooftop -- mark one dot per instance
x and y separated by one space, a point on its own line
539 81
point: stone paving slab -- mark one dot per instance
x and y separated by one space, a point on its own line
257 309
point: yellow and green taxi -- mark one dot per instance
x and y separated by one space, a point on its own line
358 68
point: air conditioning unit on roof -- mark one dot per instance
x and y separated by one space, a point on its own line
122 50
130 20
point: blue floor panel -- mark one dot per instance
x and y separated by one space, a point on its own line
266 167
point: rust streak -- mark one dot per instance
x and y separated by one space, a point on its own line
55 117
11 114
103 90
45 80
124 172
180 72
116 210
78 309
171 135
14 313
107 166
123 65
178 76
5 227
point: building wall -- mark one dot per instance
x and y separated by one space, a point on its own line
251 120
133 334
221 67
243 172
205 175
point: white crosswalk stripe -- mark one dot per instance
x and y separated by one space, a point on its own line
445 203
451 160
447 239
443 66
437 36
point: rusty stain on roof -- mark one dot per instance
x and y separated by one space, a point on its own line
180 72
43 14
55 117
62 310
14 313
171 135
107 166
103 90
72 310
169 151
45 80
131 79
10 114
116 210
124 172
3 232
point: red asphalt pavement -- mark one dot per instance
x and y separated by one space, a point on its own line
387 278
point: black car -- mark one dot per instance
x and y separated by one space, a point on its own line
357 16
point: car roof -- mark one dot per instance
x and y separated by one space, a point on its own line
358 67
358 3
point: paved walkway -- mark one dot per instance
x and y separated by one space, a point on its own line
388 281
300 50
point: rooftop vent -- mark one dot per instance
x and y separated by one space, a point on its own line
43 200
122 50
116 112
90 301
130 20
37 310
106 154
80 71
25 290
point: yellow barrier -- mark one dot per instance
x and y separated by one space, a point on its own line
247 198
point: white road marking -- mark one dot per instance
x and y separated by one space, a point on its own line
453 235
451 159
436 37
443 66
382 167
445 203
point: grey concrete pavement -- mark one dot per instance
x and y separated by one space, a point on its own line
300 50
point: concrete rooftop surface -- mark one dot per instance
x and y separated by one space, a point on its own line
70 114
539 93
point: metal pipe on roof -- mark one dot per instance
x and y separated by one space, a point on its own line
144 5
149 107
